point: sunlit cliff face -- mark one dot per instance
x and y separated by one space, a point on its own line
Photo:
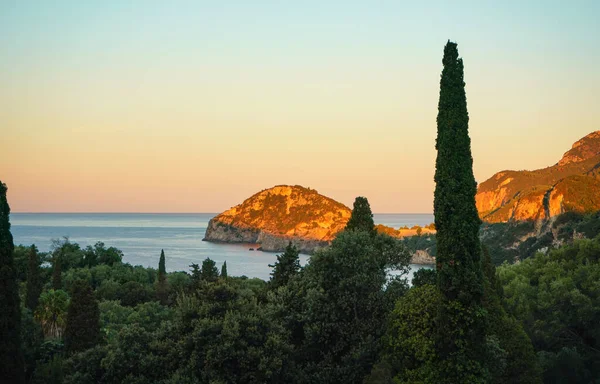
573 184
290 211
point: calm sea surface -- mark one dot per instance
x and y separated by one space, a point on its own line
141 236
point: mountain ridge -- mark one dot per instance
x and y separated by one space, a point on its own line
570 185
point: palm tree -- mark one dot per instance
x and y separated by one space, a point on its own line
52 312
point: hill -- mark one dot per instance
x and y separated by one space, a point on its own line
277 215
571 185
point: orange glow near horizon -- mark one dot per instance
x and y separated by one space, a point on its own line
106 108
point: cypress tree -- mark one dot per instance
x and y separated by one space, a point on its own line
286 266
34 282
362 217
461 318
161 287
224 270
82 330
56 273
11 358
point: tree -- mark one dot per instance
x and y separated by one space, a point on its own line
34 282
56 272
409 345
286 266
209 271
51 312
195 280
362 217
424 276
346 305
83 319
461 318
555 297
224 270
162 293
519 364
11 358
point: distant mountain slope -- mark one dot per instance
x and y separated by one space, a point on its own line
277 215
571 185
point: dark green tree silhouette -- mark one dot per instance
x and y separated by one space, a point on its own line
195 269
11 358
162 293
209 271
224 270
82 330
286 266
34 282
362 217
56 272
461 317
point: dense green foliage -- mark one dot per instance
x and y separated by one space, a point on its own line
557 299
82 330
461 318
11 359
362 217
345 306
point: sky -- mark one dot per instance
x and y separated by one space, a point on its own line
193 106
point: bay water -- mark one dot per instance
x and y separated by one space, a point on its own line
141 236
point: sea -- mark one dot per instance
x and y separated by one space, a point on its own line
141 236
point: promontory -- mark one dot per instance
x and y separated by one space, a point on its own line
275 216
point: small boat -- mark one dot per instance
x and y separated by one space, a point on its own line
251 249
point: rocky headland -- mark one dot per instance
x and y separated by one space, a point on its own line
571 185
273 217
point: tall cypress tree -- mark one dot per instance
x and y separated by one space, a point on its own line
161 287
224 270
34 282
11 358
82 330
362 217
461 318
56 273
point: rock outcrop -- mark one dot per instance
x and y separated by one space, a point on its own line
571 185
275 216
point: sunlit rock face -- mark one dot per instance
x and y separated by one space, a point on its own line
275 216
572 184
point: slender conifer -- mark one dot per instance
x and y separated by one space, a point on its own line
224 270
11 358
34 282
162 293
461 318
82 330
